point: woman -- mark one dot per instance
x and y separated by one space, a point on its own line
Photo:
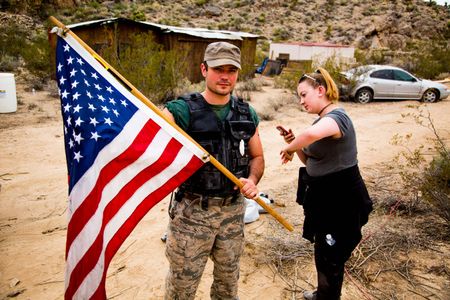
334 197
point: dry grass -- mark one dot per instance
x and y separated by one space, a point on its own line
388 262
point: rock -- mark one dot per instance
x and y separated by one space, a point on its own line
13 282
213 10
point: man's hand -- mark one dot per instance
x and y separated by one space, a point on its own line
249 189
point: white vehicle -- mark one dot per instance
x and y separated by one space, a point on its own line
366 83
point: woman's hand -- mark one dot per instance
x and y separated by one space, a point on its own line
288 135
286 156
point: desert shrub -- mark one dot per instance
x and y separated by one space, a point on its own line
374 56
184 86
288 80
259 56
261 18
423 178
154 71
334 67
289 77
250 85
9 63
431 59
281 34
22 47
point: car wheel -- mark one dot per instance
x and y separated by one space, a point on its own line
363 96
430 96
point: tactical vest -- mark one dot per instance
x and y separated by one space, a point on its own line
226 140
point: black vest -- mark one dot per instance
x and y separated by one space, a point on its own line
226 140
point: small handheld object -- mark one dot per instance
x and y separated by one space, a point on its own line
282 130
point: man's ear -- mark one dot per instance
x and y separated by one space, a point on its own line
203 69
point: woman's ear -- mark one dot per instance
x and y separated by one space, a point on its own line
322 91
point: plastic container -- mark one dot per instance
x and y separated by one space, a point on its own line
8 98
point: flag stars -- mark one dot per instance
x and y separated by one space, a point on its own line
80 62
97 86
62 80
66 48
89 95
109 89
124 103
108 121
78 156
67 107
69 121
91 107
74 84
83 72
93 121
64 94
101 98
95 136
69 60
76 96
77 108
105 109
78 122
60 67
86 82
94 75
112 101
77 137
73 72
71 143
115 112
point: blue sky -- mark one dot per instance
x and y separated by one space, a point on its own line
441 2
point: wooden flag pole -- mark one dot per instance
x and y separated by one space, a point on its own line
147 102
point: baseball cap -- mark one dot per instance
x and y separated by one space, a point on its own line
222 53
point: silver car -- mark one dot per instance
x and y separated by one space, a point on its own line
366 83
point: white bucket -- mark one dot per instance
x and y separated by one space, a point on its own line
8 99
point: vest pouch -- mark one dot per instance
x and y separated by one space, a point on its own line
242 130
207 179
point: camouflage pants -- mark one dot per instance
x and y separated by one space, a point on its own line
196 234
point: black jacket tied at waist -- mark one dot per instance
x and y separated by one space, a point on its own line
337 203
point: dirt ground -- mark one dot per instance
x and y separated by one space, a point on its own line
33 193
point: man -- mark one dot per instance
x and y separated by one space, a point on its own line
207 212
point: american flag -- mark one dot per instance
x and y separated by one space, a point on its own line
122 159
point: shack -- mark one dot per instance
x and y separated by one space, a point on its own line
304 51
114 34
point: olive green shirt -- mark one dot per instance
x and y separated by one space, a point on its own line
180 111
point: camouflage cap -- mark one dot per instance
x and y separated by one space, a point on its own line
222 53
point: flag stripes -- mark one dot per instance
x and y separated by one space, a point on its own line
122 160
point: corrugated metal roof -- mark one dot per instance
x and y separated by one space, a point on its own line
198 32
87 23
312 44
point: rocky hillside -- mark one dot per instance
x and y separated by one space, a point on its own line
367 24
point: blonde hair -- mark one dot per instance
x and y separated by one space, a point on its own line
323 78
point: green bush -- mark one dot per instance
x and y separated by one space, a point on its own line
22 47
288 80
152 70
431 59
281 34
